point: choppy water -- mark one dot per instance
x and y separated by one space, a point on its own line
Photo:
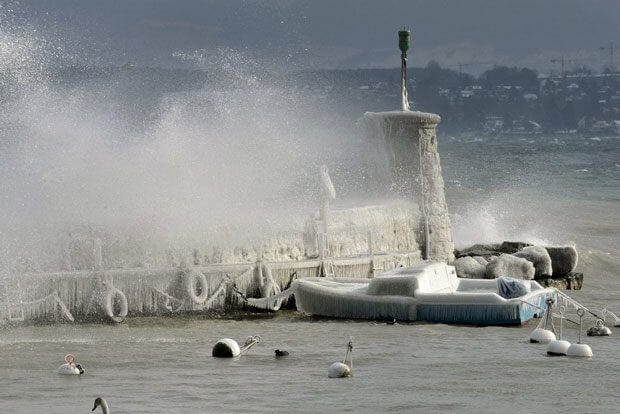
159 366
498 188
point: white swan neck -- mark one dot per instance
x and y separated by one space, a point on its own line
104 407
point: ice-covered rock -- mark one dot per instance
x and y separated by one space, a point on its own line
511 266
478 250
481 260
470 268
539 257
512 247
563 259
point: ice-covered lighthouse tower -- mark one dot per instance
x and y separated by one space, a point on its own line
410 139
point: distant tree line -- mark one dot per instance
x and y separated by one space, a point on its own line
554 102
465 101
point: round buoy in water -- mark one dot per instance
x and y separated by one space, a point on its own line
579 351
226 348
541 336
599 329
338 370
558 348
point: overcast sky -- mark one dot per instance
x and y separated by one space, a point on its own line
334 33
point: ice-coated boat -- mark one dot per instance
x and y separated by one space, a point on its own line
429 291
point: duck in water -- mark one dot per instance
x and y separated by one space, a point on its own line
280 353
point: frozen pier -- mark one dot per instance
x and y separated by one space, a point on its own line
112 295
409 225
399 218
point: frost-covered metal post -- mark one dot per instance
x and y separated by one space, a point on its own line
328 193
403 45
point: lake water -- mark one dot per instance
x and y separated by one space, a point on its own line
498 188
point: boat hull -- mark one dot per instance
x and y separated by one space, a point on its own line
482 315
350 302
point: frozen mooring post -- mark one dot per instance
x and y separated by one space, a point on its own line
411 167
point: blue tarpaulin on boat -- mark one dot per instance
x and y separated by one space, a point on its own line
512 288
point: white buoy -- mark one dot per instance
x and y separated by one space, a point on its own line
599 329
226 348
70 367
542 335
580 350
338 370
341 369
559 347
229 348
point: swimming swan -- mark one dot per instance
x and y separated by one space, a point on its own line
100 402
70 367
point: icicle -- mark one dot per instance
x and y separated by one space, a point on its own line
267 303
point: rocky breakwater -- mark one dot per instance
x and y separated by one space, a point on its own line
551 266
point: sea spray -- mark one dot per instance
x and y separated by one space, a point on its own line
102 153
